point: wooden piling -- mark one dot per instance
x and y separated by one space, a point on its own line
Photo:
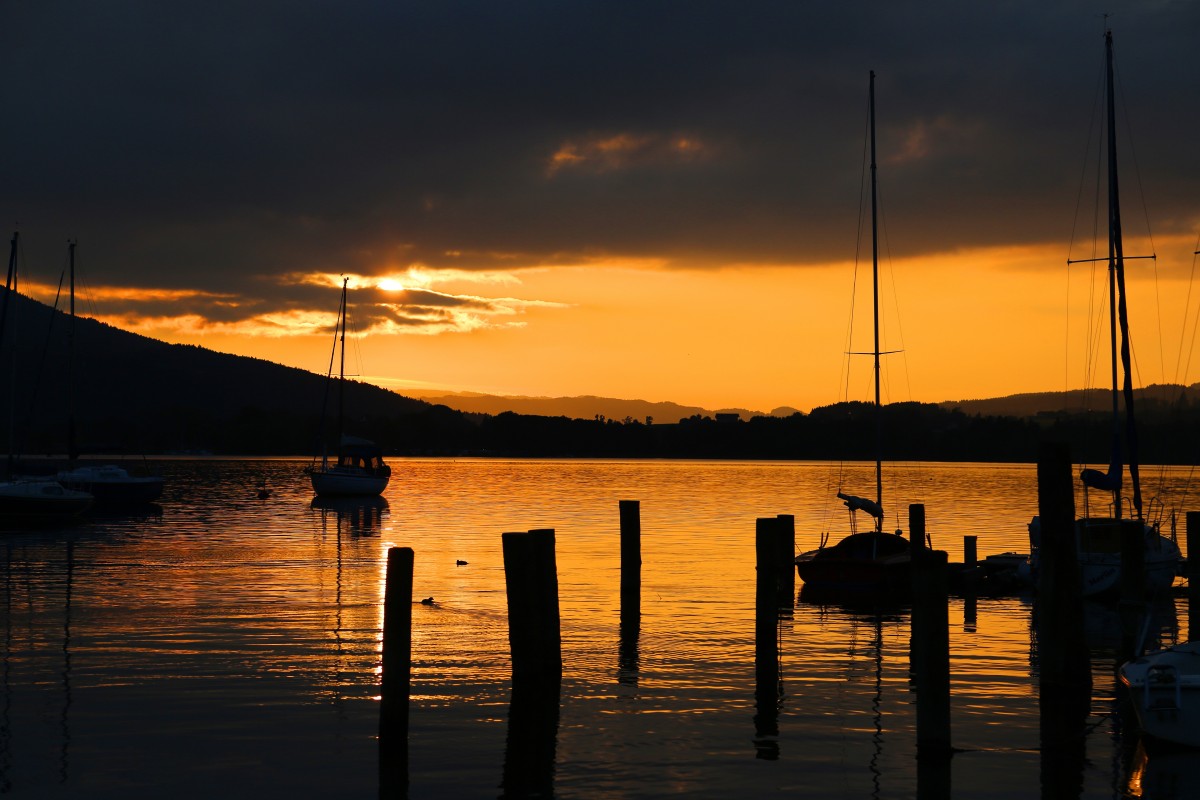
1133 563
631 592
631 561
767 689
785 532
396 676
929 652
531 581
970 551
1062 650
396 672
916 530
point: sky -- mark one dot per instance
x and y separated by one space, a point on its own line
644 200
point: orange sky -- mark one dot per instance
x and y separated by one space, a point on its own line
611 199
971 324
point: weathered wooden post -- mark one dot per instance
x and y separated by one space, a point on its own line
531 580
631 559
785 532
767 688
930 643
535 639
1133 584
970 551
396 671
631 591
1065 680
1062 650
970 582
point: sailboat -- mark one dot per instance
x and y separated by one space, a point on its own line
110 484
21 499
872 561
1099 539
357 469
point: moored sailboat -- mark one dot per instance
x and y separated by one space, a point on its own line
22 499
357 468
1100 539
109 484
876 561
1164 688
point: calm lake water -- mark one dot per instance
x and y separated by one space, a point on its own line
229 645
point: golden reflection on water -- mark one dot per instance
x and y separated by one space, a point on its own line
276 603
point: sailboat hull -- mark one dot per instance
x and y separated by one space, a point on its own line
1098 541
41 499
1165 690
871 562
113 486
342 482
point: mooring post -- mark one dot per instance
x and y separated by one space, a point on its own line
929 654
396 658
1062 648
531 581
767 688
785 532
970 551
396 671
1065 680
1192 571
631 560
1133 585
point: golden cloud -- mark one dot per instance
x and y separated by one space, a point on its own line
621 151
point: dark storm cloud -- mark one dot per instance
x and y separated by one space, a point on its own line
213 144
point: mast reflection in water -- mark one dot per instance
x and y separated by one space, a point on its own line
232 641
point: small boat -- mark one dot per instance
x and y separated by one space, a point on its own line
357 469
41 500
1164 688
21 498
1099 539
875 562
112 485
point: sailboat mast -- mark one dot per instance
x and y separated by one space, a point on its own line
1116 259
10 289
875 301
72 447
342 367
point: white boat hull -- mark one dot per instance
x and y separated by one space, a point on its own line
1165 690
336 482
1099 553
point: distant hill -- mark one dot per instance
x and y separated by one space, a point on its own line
1033 404
584 407
141 395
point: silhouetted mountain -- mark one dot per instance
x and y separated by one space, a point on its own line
137 394
1032 404
583 407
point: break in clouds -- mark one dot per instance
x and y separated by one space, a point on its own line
202 153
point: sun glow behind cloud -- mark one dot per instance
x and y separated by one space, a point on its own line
744 336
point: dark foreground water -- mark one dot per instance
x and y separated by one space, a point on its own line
229 645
